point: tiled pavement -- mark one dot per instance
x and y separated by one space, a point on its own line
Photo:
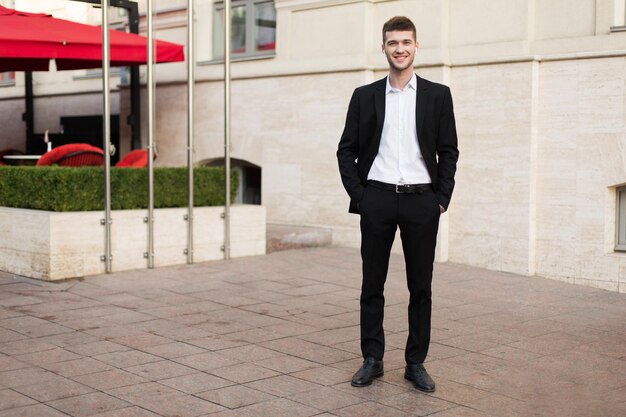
277 335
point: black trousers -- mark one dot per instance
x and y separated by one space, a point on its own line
417 215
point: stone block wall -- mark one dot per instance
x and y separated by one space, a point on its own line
53 246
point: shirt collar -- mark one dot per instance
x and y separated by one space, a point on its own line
412 84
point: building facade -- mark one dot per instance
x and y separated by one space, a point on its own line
539 88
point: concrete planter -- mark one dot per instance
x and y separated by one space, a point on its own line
52 246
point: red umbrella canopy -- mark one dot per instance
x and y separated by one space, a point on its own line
29 40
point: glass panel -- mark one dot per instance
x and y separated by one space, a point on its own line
237 34
218 33
265 26
238 30
7 76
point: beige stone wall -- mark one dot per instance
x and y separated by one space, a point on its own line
581 158
490 215
542 149
52 246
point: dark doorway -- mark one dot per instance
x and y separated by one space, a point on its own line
249 191
79 129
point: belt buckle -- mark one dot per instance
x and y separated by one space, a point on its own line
400 189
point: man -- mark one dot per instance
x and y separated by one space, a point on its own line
397 158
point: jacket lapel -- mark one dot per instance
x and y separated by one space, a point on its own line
420 108
379 104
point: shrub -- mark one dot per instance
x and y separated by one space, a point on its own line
82 189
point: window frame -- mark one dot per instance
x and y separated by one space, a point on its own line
620 219
619 16
7 78
250 31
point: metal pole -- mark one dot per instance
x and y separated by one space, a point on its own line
106 134
227 129
150 86
190 82
29 114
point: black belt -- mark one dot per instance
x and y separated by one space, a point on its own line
401 188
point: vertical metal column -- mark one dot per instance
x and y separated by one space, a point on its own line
227 129
150 87
190 150
106 134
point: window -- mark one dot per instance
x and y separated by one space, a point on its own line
620 240
619 16
7 78
253 28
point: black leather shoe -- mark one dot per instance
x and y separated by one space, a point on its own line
420 378
370 369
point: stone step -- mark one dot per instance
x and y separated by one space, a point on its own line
283 237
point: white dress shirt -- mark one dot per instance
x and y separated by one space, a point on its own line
399 159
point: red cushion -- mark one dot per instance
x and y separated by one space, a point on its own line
73 154
134 159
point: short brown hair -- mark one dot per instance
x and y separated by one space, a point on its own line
399 23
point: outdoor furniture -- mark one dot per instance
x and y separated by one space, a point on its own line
28 41
5 156
73 155
134 159
21 159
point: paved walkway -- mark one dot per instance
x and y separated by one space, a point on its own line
277 335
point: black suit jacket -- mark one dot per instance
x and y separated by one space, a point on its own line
436 134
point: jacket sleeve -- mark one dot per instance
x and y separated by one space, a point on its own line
447 151
348 152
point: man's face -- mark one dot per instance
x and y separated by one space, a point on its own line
399 48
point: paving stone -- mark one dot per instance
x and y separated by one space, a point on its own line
7 335
126 359
97 348
286 364
37 410
235 396
309 351
173 350
195 383
141 341
283 385
77 367
243 373
279 407
10 399
207 361
8 363
415 403
370 408
326 399
324 375
88 404
182 405
127 412
53 389
155 371
25 376
43 357
111 379
24 346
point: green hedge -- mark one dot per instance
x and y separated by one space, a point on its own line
82 189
